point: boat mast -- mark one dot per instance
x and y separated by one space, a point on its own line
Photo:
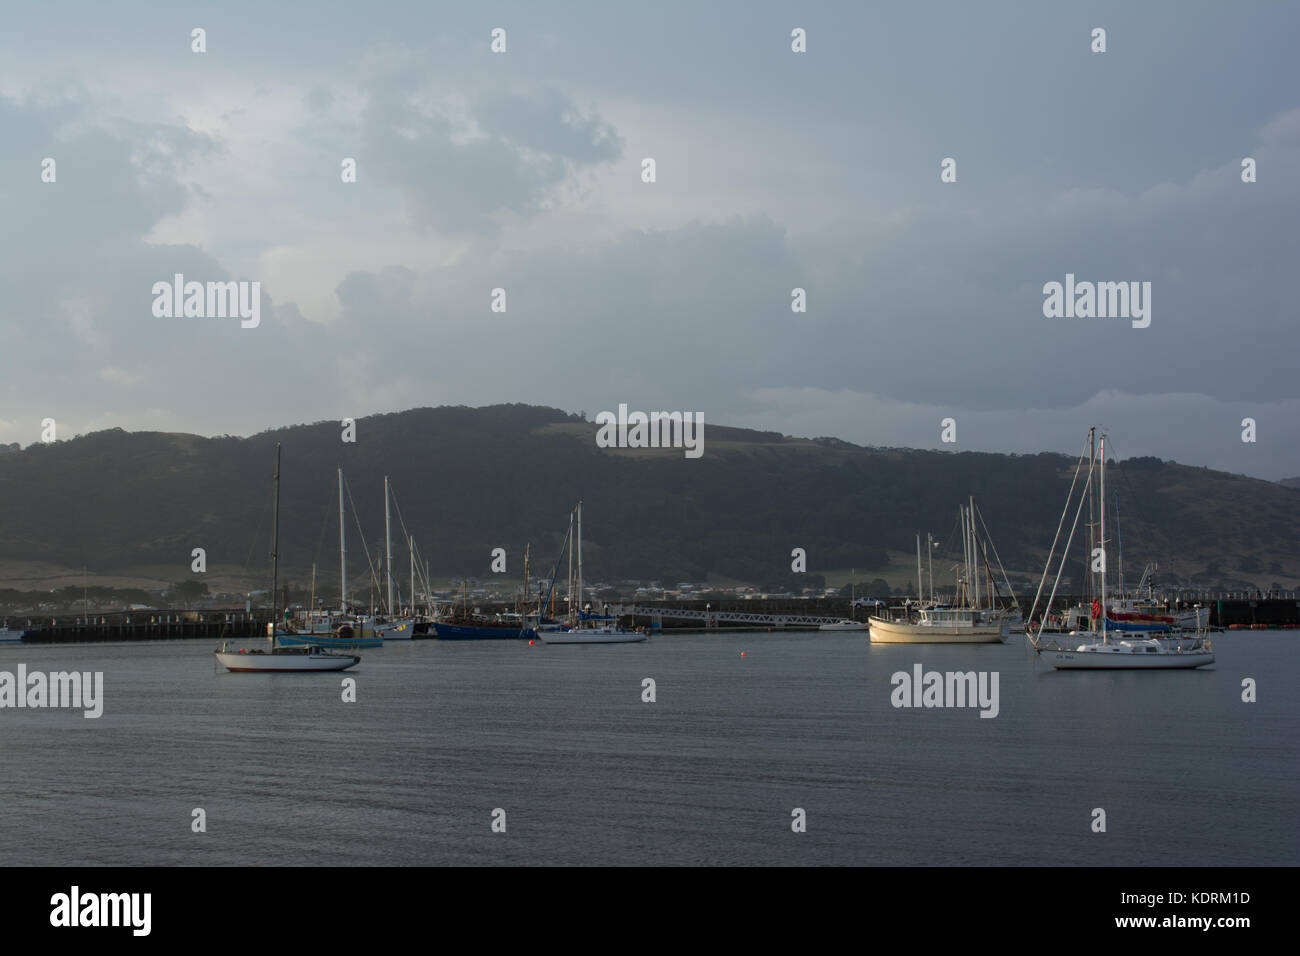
569 595
1119 554
579 557
388 548
410 543
929 560
974 543
523 604
1103 538
1092 517
965 557
275 548
343 554
920 585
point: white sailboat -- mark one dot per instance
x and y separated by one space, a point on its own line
583 628
969 623
1112 645
274 658
400 629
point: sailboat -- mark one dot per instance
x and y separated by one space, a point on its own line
401 629
968 623
338 630
276 658
585 627
1111 644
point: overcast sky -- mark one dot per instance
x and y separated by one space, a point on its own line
775 170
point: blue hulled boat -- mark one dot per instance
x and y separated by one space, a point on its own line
479 629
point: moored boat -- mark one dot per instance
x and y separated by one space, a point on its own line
474 628
275 658
844 625
283 660
945 625
584 627
968 623
1135 643
1135 654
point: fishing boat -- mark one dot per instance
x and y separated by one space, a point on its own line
1110 643
276 658
472 627
584 627
967 623
844 625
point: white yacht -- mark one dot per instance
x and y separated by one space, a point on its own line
1112 644
583 628
274 658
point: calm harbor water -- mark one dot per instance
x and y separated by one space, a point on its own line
558 737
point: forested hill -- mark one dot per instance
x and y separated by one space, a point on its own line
468 480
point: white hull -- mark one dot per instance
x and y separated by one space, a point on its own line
901 632
595 635
284 662
395 630
1086 660
1138 654
8 636
844 626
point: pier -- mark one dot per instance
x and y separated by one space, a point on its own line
146 626
1229 611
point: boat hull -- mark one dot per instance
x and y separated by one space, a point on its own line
469 632
395 631
901 632
254 662
1099 661
844 626
8 636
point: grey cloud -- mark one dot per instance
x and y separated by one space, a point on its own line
460 186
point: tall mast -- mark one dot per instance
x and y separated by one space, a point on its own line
570 588
579 556
527 552
388 547
1103 538
343 554
1092 516
410 543
974 543
1119 552
929 560
919 583
275 549
965 554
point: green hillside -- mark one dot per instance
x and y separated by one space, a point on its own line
469 480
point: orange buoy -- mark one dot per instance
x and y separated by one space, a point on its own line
742 653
